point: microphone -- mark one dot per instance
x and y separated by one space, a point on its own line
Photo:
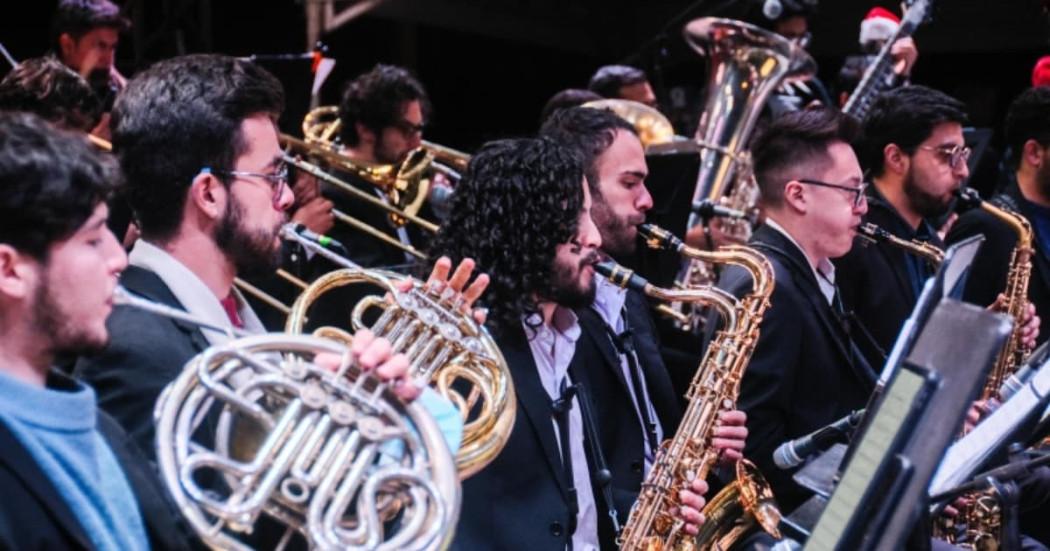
1021 376
707 208
792 453
322 240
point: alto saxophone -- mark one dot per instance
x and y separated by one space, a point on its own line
983 515
652 523
933 254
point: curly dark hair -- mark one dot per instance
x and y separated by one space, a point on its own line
51 181
1028 119
46 87
590 132
905 116
78 17
518 201
179 116
375 98
795 145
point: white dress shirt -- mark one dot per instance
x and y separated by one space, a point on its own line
825 270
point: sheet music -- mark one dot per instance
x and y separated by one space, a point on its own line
965 456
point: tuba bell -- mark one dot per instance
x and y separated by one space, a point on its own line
253 432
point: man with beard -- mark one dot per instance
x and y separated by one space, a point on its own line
914 152
618 324
522 212
84 36
1028 192
68 475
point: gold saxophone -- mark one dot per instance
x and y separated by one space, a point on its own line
652 524
933 254
983 515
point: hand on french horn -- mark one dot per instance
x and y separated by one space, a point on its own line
693 502
730 436
454 290
375 354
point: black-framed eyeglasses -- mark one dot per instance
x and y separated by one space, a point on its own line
409 128
953 154
858 191
277 180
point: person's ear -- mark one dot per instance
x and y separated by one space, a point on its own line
894 159
208 195
17 273
795 196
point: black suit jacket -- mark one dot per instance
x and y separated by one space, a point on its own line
989 271
873 278
804 372
620 432
521 499
145 353
33 514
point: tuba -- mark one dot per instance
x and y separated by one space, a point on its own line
253 432
447 349
746 502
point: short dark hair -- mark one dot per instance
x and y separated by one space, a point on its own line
375 99
518 200
905 116
589 132
852 71
1028 119
179 116
608 80
46 87
570 97
796 144
51 181
78 17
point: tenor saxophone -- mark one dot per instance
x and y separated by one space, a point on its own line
652 524
982 516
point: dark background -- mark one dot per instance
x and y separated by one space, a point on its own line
489 65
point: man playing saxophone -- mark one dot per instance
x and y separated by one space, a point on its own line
618 324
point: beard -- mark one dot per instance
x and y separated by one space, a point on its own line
619 234
1042 179
250 251
925 203
567 290
385 154
67 339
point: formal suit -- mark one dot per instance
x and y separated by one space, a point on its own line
521 499
620 432
33 514
988 274
874 279
805 372
146 352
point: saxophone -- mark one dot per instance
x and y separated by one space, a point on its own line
983 516
874 234
652 523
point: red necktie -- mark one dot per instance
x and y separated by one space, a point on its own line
230 305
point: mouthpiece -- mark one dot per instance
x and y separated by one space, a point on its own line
659 238
620 276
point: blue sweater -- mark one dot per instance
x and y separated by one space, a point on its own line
58 428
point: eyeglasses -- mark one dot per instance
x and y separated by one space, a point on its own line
409 128
954 154
277 180
858 191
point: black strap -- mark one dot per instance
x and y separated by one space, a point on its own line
560 408
624 344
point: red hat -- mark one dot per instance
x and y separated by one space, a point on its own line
1041 72
878 25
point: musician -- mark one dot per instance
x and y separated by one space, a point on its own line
618 324
46 87
197 141
914 152
806 370
623 82
564 99
1027 134
877 27
522 211
84 35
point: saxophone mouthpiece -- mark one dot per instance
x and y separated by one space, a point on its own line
620 276
659 238
968 198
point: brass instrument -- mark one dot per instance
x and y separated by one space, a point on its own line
874 234
652 126
653 524
327 455
447 349
983 516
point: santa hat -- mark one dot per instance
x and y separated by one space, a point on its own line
1041 72
878 25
